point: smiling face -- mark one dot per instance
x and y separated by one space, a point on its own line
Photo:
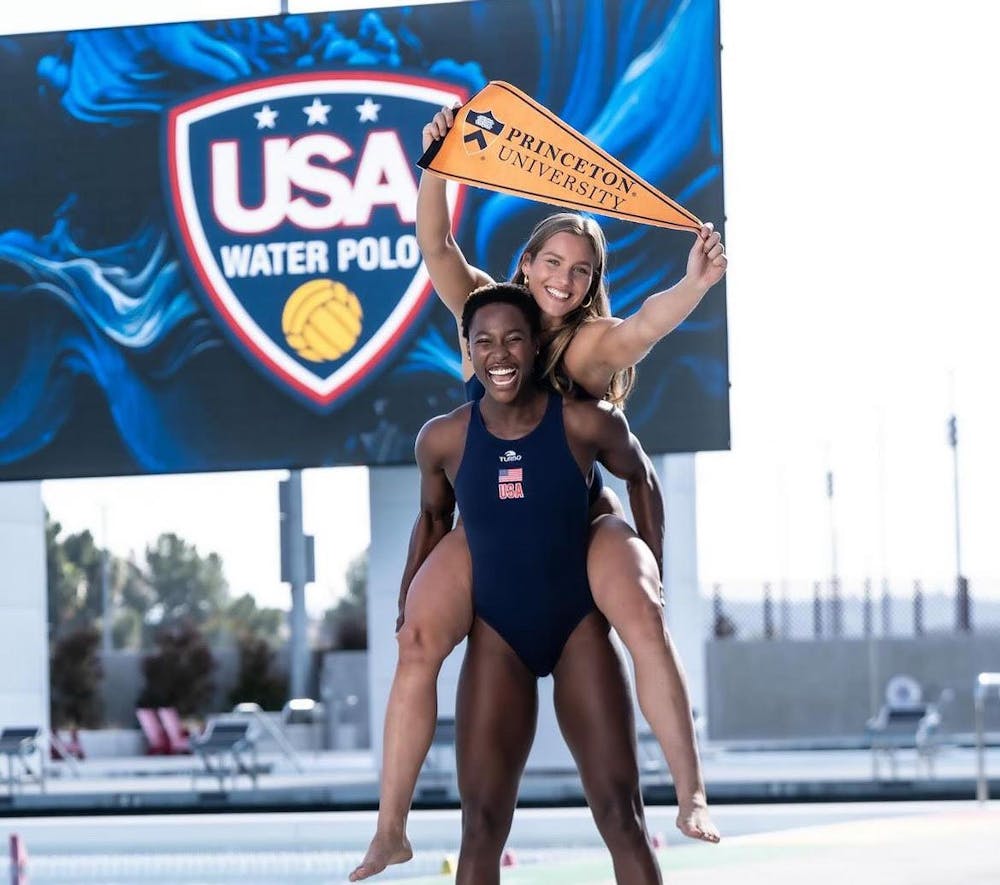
502 349
561 273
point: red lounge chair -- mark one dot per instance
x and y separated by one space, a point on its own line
176 734
71 744
157 743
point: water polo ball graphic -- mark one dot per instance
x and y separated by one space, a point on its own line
322 320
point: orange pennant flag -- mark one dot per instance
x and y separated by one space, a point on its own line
505 141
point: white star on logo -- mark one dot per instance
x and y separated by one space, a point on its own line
368 111
317 112
265 117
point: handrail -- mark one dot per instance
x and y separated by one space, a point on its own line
255 712
984 683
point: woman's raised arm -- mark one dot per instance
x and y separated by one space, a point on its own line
452 276
603 348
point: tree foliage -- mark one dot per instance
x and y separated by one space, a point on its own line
187 586
174 600
179 673
259 681
172 583
244 616
74 590
346 625
75 675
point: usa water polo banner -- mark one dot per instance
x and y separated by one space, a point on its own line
208 257
506 142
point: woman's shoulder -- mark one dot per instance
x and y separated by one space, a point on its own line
582 360
589 333
443 426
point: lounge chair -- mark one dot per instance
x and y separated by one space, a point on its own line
905 720
227 747
19 744
61 748
178 741
157 743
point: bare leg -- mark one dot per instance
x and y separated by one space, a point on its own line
626 585
496 713
595 714
437 617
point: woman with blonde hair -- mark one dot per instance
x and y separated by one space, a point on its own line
588 353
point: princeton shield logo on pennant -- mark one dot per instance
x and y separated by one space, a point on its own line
294 201
479 128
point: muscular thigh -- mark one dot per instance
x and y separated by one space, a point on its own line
622 571
594 707
496 712
439 601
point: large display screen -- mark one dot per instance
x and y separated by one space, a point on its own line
207 249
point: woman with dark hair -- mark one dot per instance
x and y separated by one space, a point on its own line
587 353
534 615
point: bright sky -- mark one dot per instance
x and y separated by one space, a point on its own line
860 170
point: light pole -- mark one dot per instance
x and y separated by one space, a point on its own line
963 621
297 569
836 621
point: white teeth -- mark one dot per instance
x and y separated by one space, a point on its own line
555 293
501 377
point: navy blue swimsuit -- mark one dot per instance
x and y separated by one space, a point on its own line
474 390
526 515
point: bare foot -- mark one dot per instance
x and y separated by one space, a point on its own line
695 822
385 850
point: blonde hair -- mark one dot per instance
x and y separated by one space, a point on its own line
595 304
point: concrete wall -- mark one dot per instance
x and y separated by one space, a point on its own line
24 660
343 688
828 688
123 682
342 675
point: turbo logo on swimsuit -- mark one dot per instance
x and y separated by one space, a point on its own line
294 199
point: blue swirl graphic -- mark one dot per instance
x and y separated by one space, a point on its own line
121 316
84 306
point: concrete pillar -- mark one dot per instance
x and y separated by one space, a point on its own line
394 500
24 672
685 617
685 613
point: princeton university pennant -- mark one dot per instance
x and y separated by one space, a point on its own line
505 141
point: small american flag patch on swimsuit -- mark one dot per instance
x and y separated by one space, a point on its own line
510 474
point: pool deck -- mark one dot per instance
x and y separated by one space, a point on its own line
349 781
898 843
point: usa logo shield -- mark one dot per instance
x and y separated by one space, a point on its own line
293 199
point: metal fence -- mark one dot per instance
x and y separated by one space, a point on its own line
833 609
